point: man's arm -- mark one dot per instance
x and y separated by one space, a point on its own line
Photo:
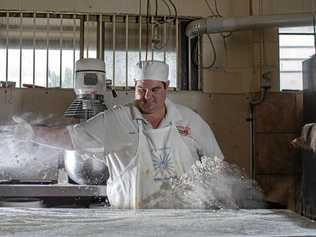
53 136
88 135
107 131
206 138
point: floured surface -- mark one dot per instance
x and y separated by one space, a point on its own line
107 222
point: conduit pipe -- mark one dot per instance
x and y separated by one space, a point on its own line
216 25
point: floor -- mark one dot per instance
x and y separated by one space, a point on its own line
106 222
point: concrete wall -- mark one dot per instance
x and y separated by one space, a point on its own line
246 55
241 61
243 57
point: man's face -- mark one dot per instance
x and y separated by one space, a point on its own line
150 95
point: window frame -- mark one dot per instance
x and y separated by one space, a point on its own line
82 18
294 33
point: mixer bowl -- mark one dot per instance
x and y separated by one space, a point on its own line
84 168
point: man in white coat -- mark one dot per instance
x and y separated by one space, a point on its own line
147 142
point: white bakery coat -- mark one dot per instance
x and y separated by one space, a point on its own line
141 159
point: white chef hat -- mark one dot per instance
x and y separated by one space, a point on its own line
152 70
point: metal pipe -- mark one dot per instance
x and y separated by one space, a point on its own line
199 62
73 50
20 45
114 49
126 53
152 35
101 38
87 35
211 25
47 49
252 105
82 36
103 41
7 49
164 39
61 52
251 141
98 37
140 31
314 29
178 81
34 40
190 66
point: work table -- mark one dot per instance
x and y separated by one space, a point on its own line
103 221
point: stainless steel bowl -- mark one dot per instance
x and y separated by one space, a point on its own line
84 168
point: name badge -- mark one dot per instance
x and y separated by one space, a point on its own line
183 130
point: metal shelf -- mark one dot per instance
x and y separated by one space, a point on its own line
52 190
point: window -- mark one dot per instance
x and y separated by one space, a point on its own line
296 44
40 49
117 73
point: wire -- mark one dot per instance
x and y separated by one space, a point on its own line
214 13
175 11
158 22
210 8
147 28
224 36
167 5
158 45
195 54
229 34
216 9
